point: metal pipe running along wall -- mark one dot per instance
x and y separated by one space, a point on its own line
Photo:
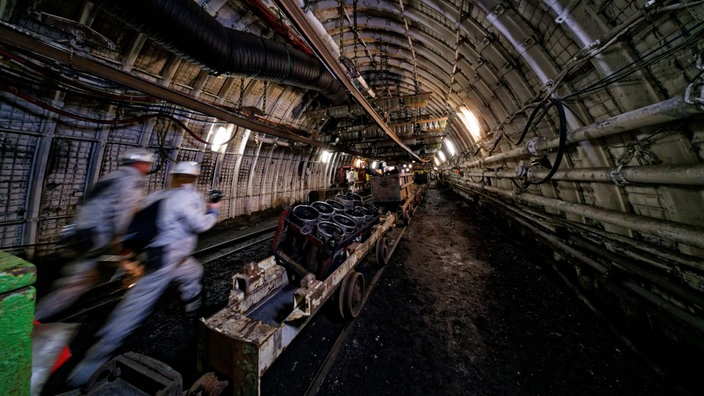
689 175
674 109
690 235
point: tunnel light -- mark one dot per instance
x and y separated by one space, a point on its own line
325 156
243 143
450 147
374 165
219 136
471 123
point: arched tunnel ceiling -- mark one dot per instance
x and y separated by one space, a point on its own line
497 58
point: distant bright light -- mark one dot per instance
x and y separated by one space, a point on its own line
442 156
325 156
374 165
450 147
222 134
471 122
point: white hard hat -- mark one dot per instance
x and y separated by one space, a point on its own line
136 155
186 168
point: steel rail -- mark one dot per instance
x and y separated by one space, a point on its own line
325 367
234 245
115 288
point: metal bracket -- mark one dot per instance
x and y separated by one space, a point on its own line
617 177
566 12
688 91
532 145
521 170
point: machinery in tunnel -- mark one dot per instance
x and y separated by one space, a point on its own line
579 121
323 253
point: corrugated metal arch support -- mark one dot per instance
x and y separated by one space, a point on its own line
250 178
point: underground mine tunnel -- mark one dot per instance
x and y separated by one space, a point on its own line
380 197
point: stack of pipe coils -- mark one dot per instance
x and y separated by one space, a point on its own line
355 197
337 207
348 225
325 209
347 201
329 233
358 214
319 233
305 217
372 209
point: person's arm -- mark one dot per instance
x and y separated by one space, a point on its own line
199 216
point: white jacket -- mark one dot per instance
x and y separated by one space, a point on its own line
110 205
182 216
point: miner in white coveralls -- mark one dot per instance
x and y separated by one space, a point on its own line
99 225
182 215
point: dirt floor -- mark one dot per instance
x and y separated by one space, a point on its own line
459 310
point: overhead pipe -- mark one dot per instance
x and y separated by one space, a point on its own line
688 234
272 141
690 175
648 253
588 259
674 109
100 69
188 30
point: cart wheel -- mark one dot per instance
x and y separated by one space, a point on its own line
351 295
382 251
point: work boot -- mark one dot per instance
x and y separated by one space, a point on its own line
81 374
193 311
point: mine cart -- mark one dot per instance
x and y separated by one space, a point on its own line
319 254
394 192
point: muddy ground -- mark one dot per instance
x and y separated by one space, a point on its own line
459 310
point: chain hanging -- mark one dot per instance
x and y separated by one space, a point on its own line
239 100
355 31
341 10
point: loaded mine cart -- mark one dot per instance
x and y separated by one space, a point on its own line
320 255
397 192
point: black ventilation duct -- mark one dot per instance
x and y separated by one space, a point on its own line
183 27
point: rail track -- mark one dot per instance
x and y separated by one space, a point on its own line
342 338
112 290
223 249
303 367
335 334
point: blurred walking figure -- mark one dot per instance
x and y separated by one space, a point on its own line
182 215
100 223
